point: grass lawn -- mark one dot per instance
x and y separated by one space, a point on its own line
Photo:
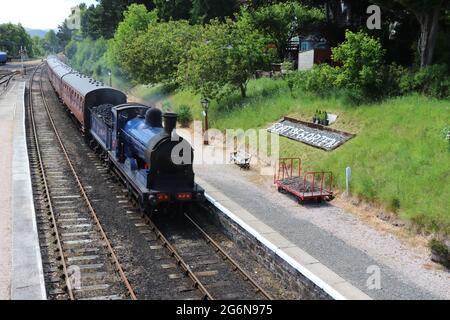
399 157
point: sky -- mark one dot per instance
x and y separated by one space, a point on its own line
38 14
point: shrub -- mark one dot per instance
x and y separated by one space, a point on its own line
392 79
440 252
352 97
361 57
432 81
319 80
287 66
184 116
359 76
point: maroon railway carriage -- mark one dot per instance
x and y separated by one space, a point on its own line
79 92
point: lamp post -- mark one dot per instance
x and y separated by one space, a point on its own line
205 105
110 78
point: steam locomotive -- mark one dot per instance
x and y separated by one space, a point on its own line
154 163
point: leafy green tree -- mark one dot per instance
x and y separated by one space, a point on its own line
64 34
51 43
154 56
38 49
101 20
135 23
361 59
13 37
173 9
281 21
205 10
428 13
227 56
87 56
90 22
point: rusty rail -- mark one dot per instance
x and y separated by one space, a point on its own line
180 261
47 191
85 196
226 256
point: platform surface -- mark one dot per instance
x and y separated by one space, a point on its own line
308 243
20 258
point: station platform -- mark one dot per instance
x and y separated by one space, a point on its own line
21 277
351 259
348 270
341 269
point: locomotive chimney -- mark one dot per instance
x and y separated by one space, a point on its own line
170 122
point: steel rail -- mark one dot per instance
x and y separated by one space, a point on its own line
180 261
227 257
47 191
88 202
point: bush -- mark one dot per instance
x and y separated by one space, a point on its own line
352 97
358 78
319 80
440 252
361 57
432 81
184 116
392 79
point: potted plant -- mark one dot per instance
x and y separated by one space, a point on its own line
316 117
325 121
184 116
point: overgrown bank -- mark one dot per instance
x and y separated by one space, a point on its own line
400 157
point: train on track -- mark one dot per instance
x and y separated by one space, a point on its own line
3 58
154 163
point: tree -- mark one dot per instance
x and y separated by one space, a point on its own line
64 34
428 14
13 37
154 56
38 49
360 60
205 10
101 20
281 21
173 9
51 42
227 56
135 23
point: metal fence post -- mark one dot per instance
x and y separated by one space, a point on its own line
348 179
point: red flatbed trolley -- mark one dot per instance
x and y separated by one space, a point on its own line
309 186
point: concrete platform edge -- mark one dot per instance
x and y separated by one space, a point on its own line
27 276
332 289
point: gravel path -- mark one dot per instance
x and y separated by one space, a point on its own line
336 238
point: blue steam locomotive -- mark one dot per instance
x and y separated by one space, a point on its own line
138 142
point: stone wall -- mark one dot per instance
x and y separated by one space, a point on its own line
291 278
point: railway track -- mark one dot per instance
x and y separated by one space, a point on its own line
5 79
215 273
79 260
186 260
